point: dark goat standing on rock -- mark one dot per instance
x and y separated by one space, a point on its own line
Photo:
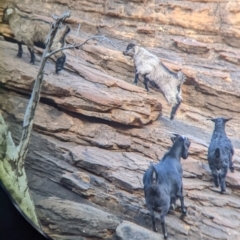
163 181
220 153
34 32
151 68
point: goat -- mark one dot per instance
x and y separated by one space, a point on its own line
220 153
34 32
163 181
153 70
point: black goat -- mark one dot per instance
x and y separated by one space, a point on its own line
220 153
163 181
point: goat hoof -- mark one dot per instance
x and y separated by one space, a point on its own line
184 211
19 55
172 207
223 191
165 236
232 169
183 215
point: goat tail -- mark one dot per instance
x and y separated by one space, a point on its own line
154 176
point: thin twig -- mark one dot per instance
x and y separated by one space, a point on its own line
99 38
75 46
79 25
54 16
35 96
109 41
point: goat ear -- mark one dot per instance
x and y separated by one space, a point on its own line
212 119
176 135
186 145
131 45
226 119
9 11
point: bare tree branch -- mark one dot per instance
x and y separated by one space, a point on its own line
79 25
111 43
99 38
74 46
12 171
32 104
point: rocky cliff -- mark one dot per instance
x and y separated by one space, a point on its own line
95 133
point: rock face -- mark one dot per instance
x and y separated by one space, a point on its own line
95 133
128 230
109 98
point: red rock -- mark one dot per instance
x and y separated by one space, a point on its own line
105 100
190 45
78 156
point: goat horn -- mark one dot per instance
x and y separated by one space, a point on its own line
176 135
227 119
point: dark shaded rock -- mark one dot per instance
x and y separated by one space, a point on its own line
129 230
68 218
12 218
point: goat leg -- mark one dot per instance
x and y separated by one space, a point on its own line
172 208
136 77
32 55
153 221
222 177
164 212
20 51
153 218
215 177
175 108
231 166
164 229
60 63
183 208
146 80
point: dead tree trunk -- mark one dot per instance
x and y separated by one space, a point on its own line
12 172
